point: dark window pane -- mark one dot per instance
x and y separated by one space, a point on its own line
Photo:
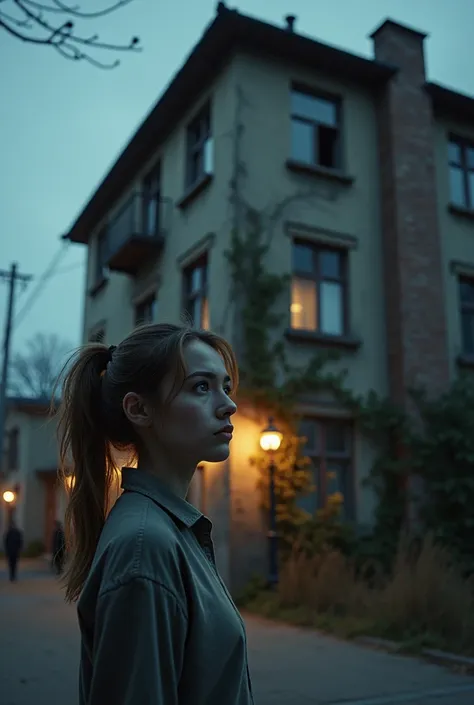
470 186
312 108
302 141
310 502
467 291
330 264
327 147
457 186
309 428
337 437
467 323
470 157
454 153
337 484
303 260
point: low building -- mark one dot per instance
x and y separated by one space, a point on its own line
370 170
31 472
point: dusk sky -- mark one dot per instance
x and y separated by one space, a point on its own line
64 123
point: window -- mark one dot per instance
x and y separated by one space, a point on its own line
13 449
318 289
195 293
97 335
145 311
329 446
151 202
466 290
199 148
315 130
461 173
101 256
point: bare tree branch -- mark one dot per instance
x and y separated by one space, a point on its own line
34 372
34 26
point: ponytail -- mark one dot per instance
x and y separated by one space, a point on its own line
85 461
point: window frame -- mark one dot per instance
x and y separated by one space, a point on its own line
147 301
151 191
323 458
189 296
336 101
97 334
465 307
100 265
196 147
463 144
13 449
343 280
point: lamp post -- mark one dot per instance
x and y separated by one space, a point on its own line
270 441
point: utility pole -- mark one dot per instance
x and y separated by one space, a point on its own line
12 276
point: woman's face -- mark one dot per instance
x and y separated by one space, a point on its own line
196 425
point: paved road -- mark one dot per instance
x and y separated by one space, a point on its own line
39 654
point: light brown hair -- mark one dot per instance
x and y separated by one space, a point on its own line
92 423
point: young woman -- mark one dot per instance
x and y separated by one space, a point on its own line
158 626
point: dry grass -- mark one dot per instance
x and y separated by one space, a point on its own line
425 602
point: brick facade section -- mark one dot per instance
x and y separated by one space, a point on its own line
413 266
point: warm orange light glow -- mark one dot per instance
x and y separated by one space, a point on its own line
270 437
69 481
9 496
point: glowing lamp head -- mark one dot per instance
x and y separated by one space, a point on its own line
270 437
8 496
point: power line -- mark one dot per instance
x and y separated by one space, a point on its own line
50 271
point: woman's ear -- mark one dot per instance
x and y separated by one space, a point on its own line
137 410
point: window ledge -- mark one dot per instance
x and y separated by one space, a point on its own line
461 211
194 191
465 360
332 341
320 171
98 286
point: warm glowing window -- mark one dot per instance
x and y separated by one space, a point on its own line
318 289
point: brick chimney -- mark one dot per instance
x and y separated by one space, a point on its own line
413 268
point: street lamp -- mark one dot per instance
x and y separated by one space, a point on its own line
270 441
8 496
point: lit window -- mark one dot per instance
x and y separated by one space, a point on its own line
318 290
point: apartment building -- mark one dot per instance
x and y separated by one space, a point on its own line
370 169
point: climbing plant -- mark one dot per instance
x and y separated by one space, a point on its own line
272 383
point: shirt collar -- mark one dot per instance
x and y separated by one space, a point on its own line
134 480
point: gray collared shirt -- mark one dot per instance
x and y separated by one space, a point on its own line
158 625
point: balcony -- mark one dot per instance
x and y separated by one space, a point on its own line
137 233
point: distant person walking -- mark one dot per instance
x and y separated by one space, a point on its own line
58 548
13 544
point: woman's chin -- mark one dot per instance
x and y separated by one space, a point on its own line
217 454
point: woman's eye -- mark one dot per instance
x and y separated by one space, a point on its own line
202 386
228 390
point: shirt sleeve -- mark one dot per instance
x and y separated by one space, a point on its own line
140 633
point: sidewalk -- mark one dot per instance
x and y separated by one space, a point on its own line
39 654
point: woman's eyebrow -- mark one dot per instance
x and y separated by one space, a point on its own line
207 375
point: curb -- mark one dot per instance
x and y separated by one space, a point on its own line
441 658
444 658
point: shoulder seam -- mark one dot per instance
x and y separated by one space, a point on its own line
122 582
